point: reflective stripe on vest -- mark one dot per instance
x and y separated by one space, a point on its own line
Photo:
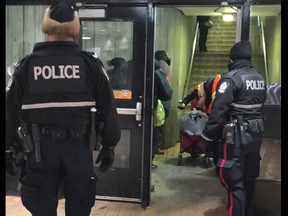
201 94
213 91
58 104
246 106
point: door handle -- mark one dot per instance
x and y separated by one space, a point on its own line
127 111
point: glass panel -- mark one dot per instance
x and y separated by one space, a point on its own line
122 152
113 44
23 30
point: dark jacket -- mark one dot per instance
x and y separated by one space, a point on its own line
56 85
241 91
164 57
162 88
202 20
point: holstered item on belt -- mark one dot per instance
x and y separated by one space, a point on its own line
240 124
260 124
229 133
78 132
36 133
26 139
59 134
255 125
92 143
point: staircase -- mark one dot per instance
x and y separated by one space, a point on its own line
219 42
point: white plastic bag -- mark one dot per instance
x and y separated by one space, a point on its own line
193 123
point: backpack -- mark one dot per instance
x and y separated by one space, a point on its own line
159 117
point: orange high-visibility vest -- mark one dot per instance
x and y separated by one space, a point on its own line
213 91
201 95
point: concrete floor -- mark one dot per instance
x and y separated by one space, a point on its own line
189 189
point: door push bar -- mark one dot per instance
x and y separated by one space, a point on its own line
128 111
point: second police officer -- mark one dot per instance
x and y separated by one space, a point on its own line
237 118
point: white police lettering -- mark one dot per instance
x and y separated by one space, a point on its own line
62 72
255 85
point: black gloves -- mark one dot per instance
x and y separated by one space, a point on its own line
106 156
10 163
15 158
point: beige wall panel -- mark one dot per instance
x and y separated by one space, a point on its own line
174 34
272 28
29 29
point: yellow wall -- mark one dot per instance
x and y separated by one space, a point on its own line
272 28
174 33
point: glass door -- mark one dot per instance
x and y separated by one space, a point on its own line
117 37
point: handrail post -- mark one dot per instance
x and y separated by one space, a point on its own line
191 62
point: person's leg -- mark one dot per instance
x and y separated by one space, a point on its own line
215 152
156 140
205 35
79 183
251 169
230 175
157 150
201 39
231 178
39 190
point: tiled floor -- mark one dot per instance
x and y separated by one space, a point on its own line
183 190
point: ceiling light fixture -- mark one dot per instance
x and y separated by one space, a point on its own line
226 8
228 17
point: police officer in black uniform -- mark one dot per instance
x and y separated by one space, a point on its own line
236 115
54 95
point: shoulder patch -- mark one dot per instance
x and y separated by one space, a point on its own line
8 86
223 87
11 69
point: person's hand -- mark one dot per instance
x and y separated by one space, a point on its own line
10 163
106 157
181 105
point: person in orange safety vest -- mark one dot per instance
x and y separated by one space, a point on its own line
202 96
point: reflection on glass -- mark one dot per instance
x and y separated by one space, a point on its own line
122 151
113 44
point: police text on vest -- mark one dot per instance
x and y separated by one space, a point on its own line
255 84
54 72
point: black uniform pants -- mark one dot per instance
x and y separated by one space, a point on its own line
239 166
157 134
67 162
203 34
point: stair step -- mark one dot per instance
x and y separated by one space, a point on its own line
221 37
219 42
209 66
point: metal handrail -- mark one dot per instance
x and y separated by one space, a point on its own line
264 53
191 62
